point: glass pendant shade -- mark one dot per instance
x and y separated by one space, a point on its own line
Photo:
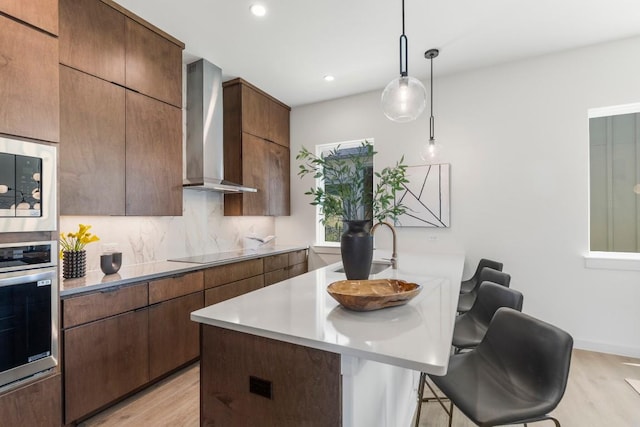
431 152
404 99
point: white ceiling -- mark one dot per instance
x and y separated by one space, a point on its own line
287 52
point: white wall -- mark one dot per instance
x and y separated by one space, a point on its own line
516 136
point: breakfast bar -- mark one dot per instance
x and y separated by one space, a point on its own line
301 358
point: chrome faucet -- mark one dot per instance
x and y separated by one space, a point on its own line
394 255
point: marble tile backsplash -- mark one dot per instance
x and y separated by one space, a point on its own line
202 229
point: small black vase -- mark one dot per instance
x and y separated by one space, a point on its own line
356 247
74 264
110 263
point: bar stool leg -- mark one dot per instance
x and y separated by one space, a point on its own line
421 383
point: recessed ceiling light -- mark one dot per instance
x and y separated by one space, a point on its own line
258 9
329 78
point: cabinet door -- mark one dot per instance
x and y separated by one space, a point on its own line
255 112
92 145
42 13
92 39
279 180
255 173
153 157
35 404
153 64
173 338
104 360
29 100
278 124
306 382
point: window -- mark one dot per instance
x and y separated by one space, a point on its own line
330 233
614 172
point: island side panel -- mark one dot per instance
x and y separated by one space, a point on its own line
305 382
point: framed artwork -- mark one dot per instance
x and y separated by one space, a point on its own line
426 197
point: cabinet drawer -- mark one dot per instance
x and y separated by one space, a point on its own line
276 262
98 305
276 276
297 257
173 287
298 269
232 290
228 273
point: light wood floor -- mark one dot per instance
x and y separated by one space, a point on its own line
597 396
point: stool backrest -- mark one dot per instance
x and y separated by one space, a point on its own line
491 297
533 355
489 274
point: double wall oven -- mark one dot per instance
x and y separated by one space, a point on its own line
28 270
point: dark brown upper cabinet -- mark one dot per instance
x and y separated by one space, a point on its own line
42 14
92 39
29 86
256 150
153 157
131 140
92 151
154 64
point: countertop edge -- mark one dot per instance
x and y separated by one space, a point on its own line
96 279
321 345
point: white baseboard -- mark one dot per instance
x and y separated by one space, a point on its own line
607 348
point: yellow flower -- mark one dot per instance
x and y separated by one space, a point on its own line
77 241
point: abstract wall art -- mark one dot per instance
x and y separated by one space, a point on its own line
426 197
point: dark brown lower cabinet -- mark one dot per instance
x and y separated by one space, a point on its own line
284 266
104 360
35 404
173 338
246 380
232 290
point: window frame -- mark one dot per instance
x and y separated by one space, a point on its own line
319 183
608 259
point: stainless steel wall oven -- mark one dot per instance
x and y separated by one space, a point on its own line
28 310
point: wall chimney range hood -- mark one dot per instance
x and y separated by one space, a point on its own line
205 146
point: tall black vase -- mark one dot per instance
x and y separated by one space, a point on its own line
356 246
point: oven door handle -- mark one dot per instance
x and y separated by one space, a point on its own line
33 275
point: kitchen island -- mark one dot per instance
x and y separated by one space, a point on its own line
289 354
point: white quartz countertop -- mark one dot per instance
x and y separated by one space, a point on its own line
96 280
300 311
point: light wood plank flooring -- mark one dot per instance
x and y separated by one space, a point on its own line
597 395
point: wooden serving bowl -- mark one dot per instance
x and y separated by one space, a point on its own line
367 295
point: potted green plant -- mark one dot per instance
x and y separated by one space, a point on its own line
351 200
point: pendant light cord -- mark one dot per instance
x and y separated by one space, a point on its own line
403 17
432 124
404 47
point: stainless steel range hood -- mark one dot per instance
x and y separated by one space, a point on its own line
204 150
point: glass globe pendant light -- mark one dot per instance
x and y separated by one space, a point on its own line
430 151
405 97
